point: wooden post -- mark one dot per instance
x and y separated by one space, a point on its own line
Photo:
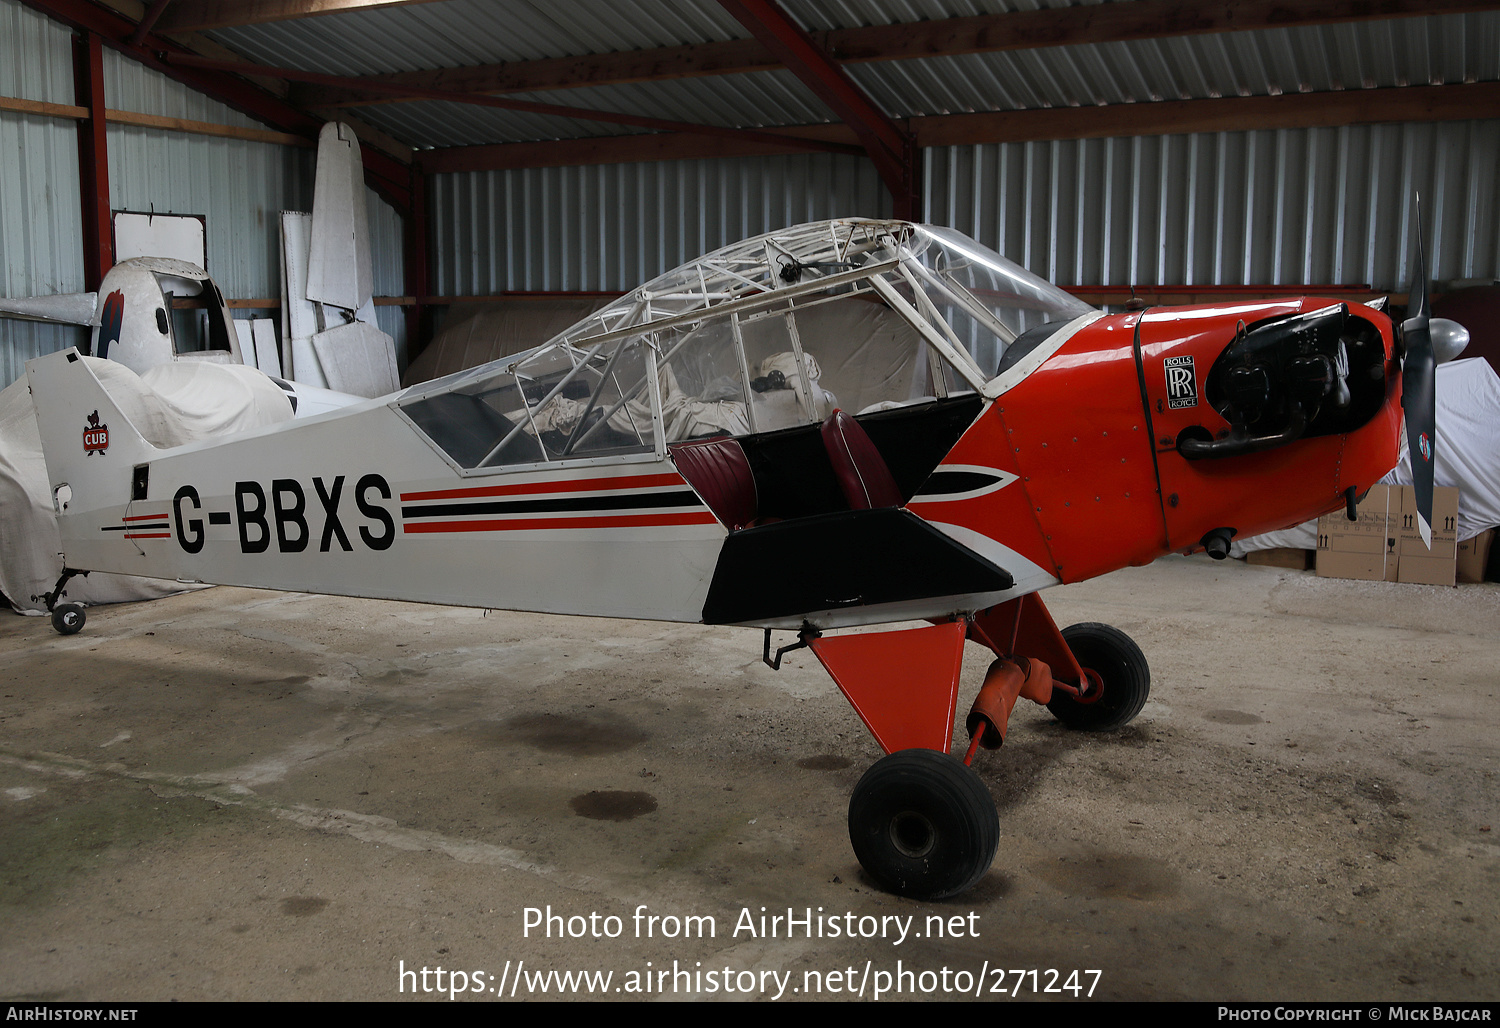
93 160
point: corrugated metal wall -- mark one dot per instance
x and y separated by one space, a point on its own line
611 227
1316 206
239 186
1293 206
40 225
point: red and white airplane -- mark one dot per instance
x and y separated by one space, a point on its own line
840 424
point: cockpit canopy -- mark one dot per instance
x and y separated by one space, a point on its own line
767 334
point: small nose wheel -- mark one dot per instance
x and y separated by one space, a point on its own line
68 618
923 825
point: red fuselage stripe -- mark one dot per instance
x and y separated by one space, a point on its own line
143 517
574 485
152 535
533 524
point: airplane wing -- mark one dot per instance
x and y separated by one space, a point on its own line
62 309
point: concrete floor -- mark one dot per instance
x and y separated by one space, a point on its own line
233 794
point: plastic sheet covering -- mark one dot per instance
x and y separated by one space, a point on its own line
171 405
1468 456
477 333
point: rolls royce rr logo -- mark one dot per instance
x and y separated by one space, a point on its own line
95 436
1182 383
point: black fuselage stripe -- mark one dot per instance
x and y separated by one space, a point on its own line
137 528
555 505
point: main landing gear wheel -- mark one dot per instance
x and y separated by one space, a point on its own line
1119 662
68 618
923 825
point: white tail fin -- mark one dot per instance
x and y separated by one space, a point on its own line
92 447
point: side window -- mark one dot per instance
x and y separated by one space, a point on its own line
605 410
786 381
559 403
702 382
860 356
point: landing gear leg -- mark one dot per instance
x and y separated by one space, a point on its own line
921 822
1102 678
67 618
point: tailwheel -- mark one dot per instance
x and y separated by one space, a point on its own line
68 618
923 824
1118 679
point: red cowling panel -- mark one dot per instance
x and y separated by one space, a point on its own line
903 685
861 470
718 471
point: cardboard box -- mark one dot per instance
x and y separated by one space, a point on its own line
1385 544
1474 556
1416 563
1366 547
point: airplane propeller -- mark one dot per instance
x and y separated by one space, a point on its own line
1418 393
1427 342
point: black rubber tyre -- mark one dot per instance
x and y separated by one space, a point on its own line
923 825
1127 678
68 618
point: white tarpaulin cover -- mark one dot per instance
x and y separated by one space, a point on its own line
170 405
477 333
1468 455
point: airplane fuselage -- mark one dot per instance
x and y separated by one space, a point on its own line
1068 467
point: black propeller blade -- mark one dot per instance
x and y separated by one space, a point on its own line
1418 388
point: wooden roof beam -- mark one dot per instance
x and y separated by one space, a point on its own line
196 15
889 146
1019 30
1231 114
772 137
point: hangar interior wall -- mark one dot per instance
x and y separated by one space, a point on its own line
611 227
41 227
239 186
1324 206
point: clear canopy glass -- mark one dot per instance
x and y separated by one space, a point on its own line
770 333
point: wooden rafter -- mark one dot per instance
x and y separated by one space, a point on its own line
1020 30
195 15
771 138
888 145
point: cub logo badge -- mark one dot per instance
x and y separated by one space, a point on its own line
95 436
1182 383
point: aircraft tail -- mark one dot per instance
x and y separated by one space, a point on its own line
97 458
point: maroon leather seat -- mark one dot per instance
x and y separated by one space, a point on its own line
860 469
718 471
